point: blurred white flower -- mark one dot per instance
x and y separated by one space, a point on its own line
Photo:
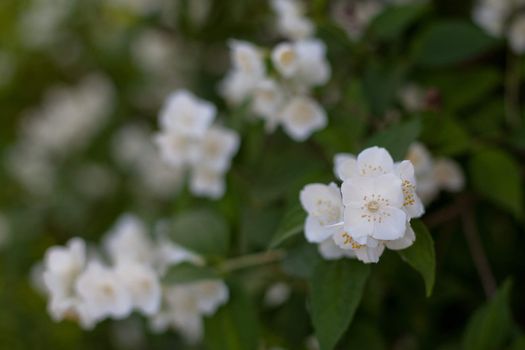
217 148
103 293
302 116
517 34
412 97
247 58
154 52
187 115
142 282
207 182
128 241
186 304
277 294
268 99
291 22
448 175
354 16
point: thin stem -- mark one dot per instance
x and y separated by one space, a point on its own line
478 254
252 260
512 90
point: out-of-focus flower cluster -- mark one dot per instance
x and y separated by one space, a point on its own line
189 140
88 286
370 211
65 123
503 18
281 95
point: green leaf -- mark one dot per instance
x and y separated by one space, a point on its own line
234 326
445 135
300 261
394 20
186 273
397 138
336 290
450 42
491 325
497 176
202 231
421 255
291 225
380 86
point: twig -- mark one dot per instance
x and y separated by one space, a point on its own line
252 260
476 250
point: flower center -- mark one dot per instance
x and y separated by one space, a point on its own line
372 206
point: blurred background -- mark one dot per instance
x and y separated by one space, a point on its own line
81 85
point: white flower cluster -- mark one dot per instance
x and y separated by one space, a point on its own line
87 290
291 20
134 150
503 18
281 96
189 140
65 122
370 211
434 175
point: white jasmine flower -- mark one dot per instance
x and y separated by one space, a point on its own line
177 149
354 16
373 207
420 158
142 283
285 59
411 202
302 116
247 58
331 251
211 294
238 86
153 51
325 211
404 242
374 161
129 241
268 100
169 254
291 21
412 97
187 115
491 15
345 165
217 148
448 175
207 182
517 34
313 68
103 293
277 294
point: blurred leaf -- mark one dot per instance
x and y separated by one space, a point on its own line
234 326
518 343
445 135
364 336
491 325
186 272
300 261
421 255
291 224
258 225
380 86
336 288
449 42
497 176
202 231
394 20
397 138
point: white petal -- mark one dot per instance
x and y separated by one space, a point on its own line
345 166
302 116
356 225
285 59
392 224
315 232
374 161
389 187
330 251
404 242
369 255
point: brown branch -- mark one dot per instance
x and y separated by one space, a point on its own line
476 250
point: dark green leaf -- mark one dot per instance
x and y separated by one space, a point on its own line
421 255
186 273
301 260
491 325
292 224
397 138
234 326
380 86
336 290
450 42
202 231
392 22
496 175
